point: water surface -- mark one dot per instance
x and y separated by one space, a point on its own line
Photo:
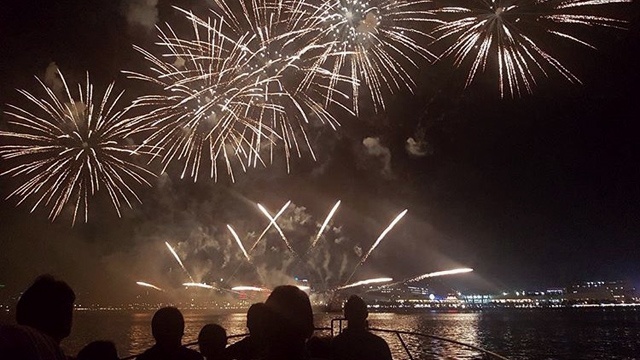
534 334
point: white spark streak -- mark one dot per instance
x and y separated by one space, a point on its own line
175 255
326 221
235 236
142 283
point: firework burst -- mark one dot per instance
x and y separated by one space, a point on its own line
371 41
202 113
284 60
72 147
506 33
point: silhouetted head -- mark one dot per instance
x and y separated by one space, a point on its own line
355 311
212 340
290 322
98 350
256 317
167 326
47 306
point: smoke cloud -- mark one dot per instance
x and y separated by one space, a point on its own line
52 78
417 145
373 147
418 148
141 13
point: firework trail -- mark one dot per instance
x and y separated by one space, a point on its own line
207 286
382 235
235 236
365 282
71 148
248 288
324 225
201 114
142 283
200 285
507 32
175 255
430 275
273 221
372 41
439 273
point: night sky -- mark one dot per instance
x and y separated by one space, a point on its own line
531 192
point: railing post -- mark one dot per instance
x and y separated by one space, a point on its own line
339 321
406 349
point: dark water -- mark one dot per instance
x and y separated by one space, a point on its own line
536 334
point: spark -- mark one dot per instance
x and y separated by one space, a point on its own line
375 244
273 221
512 34
248 288
372 41
200 285
175 255
71 146
365 282
326 222
235 236
142 283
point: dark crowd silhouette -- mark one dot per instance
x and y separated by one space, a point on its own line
281 328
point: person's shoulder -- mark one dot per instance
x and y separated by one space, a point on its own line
377 339
242 342
340 342
29 343
381 346
148 354
189 354
239 346
340 338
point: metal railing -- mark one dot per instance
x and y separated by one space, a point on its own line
398 334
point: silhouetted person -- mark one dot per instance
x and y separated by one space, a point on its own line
212 341
252 346
356 342
44 316
98 350
289 323
167 328
319 347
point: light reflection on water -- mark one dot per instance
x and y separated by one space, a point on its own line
461 327
534 334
